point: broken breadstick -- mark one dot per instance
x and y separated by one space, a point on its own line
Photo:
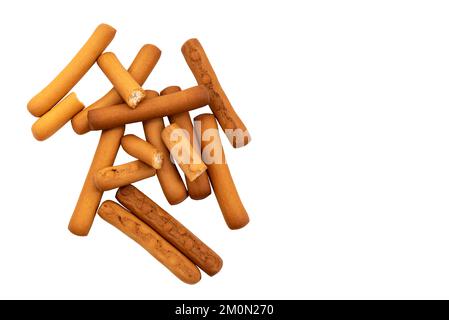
151 241
90 197
171 183
120 114
57 117
117 176
201 68
142 150
220 177
73 72
140 69
199 188
178 143
128 88
170 229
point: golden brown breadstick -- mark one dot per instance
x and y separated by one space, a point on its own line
142 150
113 177
128 88
120 114
204 74
199 188
57 117
220 177
90 197
140 69
168 176
178 143
170 229
151 241
73 72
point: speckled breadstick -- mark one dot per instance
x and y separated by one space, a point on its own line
170 229
117 176
151 241
200 187
204 74
140 69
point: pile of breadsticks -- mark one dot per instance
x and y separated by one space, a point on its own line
196 149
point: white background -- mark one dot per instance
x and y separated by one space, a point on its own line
346 179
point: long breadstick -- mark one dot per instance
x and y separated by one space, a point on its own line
142 150
171 183
128 88
73 72
170 229
117 176
90 197
220 177
176 140
140 69
120 114
151 241
204 74
199 188
57 117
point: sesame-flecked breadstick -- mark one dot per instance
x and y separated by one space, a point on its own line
73 72
151 241
201 68
200 187
170 229
140 69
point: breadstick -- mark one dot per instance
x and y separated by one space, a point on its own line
120 114
140 69
170 229
176 140
57 117
204 74
90 197
151 241
128 88
220 177
142 150
73 72
171 183
113 177
199 188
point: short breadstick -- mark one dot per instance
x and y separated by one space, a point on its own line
140 69
177 141
90 197
170 229
151 241
204 74
199 188
142 150
73 72
57 117
220 177
114 177
114 116
171 183
128 88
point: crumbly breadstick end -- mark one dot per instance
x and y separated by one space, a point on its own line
142 150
